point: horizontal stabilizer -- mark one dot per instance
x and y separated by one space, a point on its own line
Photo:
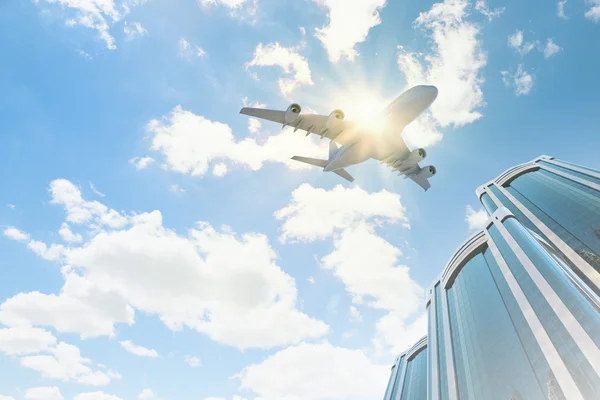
312 161
344 174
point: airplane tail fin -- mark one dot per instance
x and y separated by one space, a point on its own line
312 161
332 149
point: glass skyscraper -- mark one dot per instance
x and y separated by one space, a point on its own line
408 380
559 202
515 313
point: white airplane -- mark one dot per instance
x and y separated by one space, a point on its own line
359 143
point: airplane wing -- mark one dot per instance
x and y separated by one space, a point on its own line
337 130
406 163
420 180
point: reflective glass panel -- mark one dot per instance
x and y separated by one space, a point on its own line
575 361
440 342
415 383
489 357
570 209
488 203
571 172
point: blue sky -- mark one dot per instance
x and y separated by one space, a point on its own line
158 245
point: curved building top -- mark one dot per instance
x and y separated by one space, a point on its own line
512 173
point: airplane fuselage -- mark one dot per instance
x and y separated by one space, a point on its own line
403 110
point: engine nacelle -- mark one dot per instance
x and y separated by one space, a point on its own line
416 156
334 118
427 172
292 113
337 114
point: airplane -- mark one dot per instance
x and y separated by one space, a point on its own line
357 142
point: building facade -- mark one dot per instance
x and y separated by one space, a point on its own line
515 314
506 322
408 380
559 202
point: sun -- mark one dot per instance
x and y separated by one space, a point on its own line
362 106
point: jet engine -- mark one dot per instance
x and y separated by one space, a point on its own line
427 172
292 113
337 114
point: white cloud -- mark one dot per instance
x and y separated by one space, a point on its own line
289 60
594 12
192 361
453 65
516 41
43 393
190 143
96 191
243 9
220 169
388 284
395 335
254 125
482 7
141 162
85 54
476 219
12 206
65 363
218 283
98 15
175 188
200 51
81 307
349 24
349 217
80 211
68 235
522 81
18 341
185 48
93 14
332 373
6 397
52 253
253 104
551 49
134 30
15 234
302 30
311 280
147 394
315 213
226 3
355 314
141 351
561 9
96 396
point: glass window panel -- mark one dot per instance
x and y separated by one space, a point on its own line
397 384
587 381
490 360
513 209
579 166
568 208
415 383
571 172
390 385
488 203
443 373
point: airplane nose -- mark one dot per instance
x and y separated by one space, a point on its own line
433 91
